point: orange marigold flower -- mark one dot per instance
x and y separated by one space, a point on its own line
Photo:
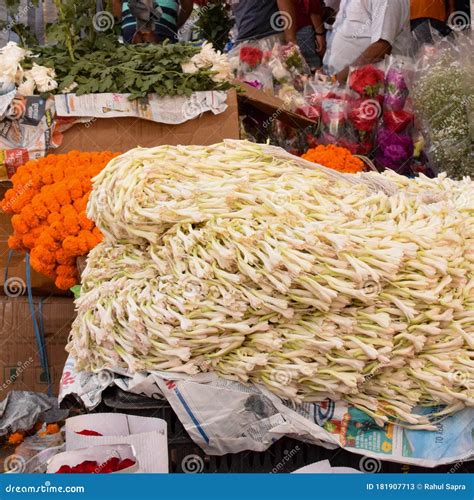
52 204
16 438
52 429
336 158
49 199
39 207
67 271
19 224
62 197
62 257
29 217
15 242
54 217
98 235
66 282
85 223
29 241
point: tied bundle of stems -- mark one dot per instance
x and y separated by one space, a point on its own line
235 259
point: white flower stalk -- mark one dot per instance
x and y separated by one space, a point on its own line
43 77
11 57
27 87
238 259
212 60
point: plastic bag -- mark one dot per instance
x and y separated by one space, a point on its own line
466 51
442 99
288 66
398 82
394 142
367 84
368 81
363 117
252 68
334 120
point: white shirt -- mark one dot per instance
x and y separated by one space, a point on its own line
334 4
360 23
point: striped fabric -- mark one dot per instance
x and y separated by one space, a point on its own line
36 18
166 28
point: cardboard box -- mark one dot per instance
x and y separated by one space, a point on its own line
272 106
123 134
20 367
41 285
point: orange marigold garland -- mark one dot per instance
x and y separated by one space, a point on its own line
336 158
49 199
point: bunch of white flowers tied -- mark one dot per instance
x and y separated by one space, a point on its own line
263 269
212 60
38 78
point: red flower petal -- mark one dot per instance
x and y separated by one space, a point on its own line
64 469
126 463
89 433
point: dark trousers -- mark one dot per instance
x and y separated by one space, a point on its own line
424 28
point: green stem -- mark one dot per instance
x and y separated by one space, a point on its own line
67 31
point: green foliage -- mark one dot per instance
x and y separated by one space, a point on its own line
76 26
134 69
214 23
80 50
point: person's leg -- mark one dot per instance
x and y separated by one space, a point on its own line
422 34
442 28
306 38
424 29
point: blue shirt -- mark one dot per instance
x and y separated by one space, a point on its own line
255 19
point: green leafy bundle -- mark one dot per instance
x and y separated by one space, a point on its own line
214 23
134 69
86 53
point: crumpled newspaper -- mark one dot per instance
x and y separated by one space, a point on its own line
20 410
224 416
